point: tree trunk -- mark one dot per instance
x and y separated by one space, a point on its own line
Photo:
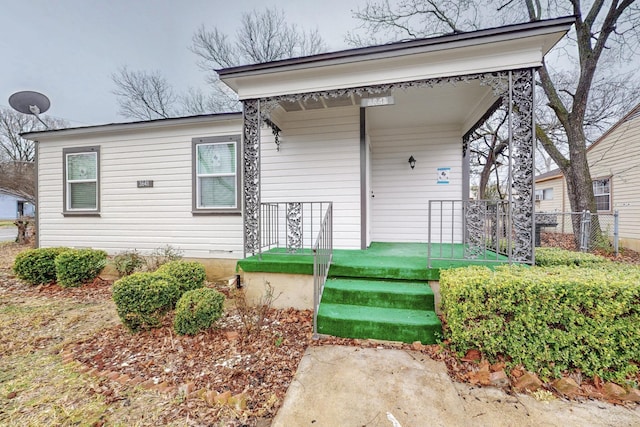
579 182
485 175
23 224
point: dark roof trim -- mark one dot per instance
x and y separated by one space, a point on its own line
133 125
400 46
555 173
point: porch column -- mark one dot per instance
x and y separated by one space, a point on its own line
251 175
522 135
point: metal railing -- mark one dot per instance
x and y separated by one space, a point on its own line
481 228
292 226
322 256
583 231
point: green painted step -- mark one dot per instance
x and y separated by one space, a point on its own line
393 324
379 293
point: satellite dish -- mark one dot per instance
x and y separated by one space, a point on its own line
29 102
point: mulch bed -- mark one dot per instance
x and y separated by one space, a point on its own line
236 357
259 364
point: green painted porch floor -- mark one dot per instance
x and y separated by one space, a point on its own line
381 292
406 261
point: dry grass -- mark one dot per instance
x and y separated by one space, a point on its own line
39 325
37 387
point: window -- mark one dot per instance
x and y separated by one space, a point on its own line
602 191
81 180
546 194
216 179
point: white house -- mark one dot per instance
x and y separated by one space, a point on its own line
338 127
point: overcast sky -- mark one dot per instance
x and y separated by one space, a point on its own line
68 49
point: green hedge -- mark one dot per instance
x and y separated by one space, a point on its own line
547 257
77 266
549 319
142 299
197 310
189 274
37 266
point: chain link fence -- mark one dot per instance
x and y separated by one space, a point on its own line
578 231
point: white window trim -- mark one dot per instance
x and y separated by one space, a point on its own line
196 204
67 152
609 194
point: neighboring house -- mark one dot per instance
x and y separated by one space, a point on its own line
13 206
550 192
614 163
337 127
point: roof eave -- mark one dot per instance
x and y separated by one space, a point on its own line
402 48
140 125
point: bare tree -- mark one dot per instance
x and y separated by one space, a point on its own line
144 95
410 19
263 36
17 154
605 36
488 146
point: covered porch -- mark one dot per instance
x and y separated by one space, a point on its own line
356 164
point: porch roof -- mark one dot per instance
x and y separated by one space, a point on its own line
496 49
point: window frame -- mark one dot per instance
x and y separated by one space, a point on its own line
610 194
195 208
66 193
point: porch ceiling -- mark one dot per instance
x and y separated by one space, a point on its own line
458 107
455 107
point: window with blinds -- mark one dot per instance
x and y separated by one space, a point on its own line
216 178
81 175
602 193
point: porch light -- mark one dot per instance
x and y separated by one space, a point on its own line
412 162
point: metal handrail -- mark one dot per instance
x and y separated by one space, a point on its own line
290 225
483 227
322 257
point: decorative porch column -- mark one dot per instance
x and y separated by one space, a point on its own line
522 143
251 175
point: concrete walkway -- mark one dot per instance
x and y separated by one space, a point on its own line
350 386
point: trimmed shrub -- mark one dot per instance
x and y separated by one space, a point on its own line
550 319
142 299
77 266
37 266
547 257
127 262
197 310
189 274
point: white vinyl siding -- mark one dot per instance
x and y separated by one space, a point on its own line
401 195
132 217
319 160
